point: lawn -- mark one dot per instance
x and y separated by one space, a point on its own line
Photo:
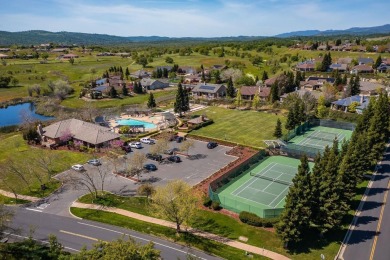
11 201
206 245
243 127
14 151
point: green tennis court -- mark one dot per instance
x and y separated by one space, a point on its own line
319 137
262 188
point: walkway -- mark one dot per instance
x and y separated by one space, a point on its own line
22 197
226 241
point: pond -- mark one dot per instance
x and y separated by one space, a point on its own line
16 114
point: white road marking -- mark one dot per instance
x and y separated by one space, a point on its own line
140 238
34 210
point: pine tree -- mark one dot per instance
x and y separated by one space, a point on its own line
278 129
355 90
295 219
344 80
321 108
274 92
186 100
378 62
238 99
127 73
113 92
230 90
256 101
125 91
265 76
290 123
315 183
151 101
178 106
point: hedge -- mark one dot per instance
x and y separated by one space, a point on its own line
254 220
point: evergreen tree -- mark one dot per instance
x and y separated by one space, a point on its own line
113 93
295 219
238 100
290 123
378 62
278 129
274 92
127 73
256 101
321 108
125 91
315 184
355 90
345 79
265 76
178 105
186 100
230 90
151 101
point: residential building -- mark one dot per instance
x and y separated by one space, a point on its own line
303 93
362 68
343 104
249 92
306 66
339 67
209 91
140 74
153 84
369 61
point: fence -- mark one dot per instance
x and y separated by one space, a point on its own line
297 151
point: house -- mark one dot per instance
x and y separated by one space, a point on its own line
152 84
339 67
209 91
314 83
186 70
337 48
5 49
343 104
269 82
303 93
105 54
365 61
123 54
383 68
306 66
369 88
69 56
344 60
249 92
3 56
140 74
197 121
192 79
362 69
89 134
322 48
60 50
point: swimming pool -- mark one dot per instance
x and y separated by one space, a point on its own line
133 122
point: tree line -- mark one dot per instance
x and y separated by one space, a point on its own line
320 199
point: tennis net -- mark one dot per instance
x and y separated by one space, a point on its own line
326 137
270 179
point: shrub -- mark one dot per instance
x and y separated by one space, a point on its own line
207 201
251 219
215 205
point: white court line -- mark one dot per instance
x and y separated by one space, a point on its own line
278 197
253 200
259 191
254 180
251 179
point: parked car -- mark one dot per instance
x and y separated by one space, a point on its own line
174 158
94 162
171 151
147 140
126 148
78 167
136 145
211 145
150 167
155 157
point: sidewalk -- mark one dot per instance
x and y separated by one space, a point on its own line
226 241
23 197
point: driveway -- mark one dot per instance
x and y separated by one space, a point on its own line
201 163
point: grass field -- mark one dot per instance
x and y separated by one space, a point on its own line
11 201
14 150
243 127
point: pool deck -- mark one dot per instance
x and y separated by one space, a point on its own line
156 119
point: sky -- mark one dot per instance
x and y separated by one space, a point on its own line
190 18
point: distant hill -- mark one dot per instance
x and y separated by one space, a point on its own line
37 36
353 31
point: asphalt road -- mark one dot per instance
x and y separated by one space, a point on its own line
371 236
73 234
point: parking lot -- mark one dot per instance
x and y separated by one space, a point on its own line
200 164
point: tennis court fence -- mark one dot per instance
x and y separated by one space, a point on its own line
297 151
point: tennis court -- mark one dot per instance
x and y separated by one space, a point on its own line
319 137
262 188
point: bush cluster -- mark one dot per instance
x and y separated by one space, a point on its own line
254 220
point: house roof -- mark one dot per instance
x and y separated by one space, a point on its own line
365 60
101 88
80 130
302 92
149 81
344 60
140 73
345 102
305 65
197 120
207 88
370 86
3 55
362 67
252 90
337 66
321 79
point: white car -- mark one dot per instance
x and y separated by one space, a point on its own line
147 140
136 145
78 167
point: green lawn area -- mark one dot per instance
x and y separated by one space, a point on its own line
15 151
11 201
243 127
206 245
